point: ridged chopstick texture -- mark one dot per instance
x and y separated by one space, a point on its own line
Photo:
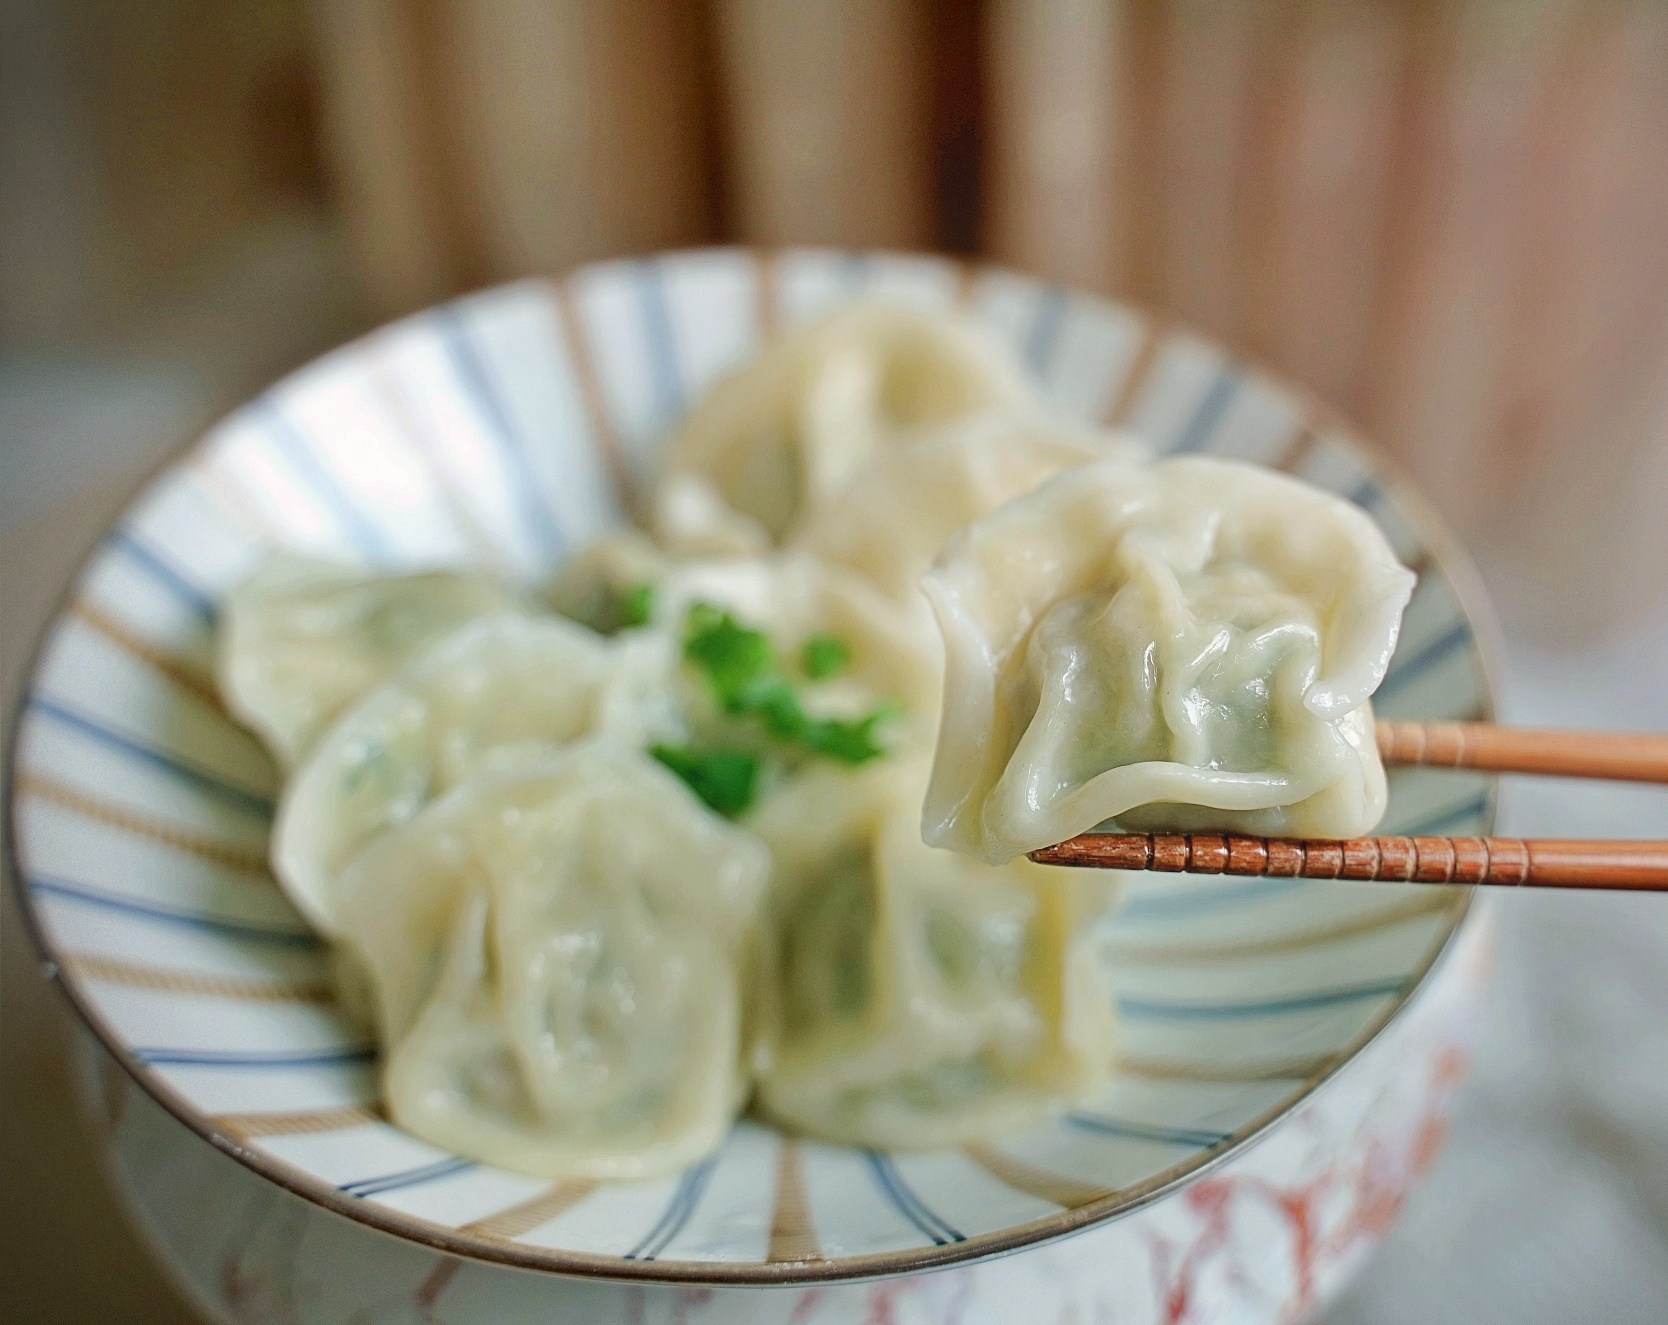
1626 756
1510 861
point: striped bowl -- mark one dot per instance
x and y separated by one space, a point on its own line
1235 1167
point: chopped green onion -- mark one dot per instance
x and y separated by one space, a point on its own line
637 605
822 656
741 665
854 741
726 779
776 702
737 660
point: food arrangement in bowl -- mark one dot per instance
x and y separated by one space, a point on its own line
645 691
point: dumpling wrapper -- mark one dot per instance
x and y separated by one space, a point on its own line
925 999
899 513
1189 645
591 586
555 959
506 691
803 418
300 640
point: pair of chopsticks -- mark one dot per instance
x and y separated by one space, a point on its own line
1524 862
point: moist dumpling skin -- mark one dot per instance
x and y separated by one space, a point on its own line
1188 645
891 522
504 691
300 640
818 403
556 961
925 999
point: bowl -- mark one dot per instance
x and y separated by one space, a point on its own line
1290 1048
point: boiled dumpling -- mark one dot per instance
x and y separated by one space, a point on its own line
803 418
556 960
507 690
300 640
897 514
925 999
1189 645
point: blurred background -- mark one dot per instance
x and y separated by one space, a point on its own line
1448 217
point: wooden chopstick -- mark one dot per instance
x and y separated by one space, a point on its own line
1628 756
1511 861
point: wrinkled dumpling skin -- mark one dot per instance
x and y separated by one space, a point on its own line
301 640
555 959
925 999
1189 645
505 691
800 421
898 514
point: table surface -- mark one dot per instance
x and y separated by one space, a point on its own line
1550 1203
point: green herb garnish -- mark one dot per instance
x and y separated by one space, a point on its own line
637 605
854 741
740 662
777 704
726 779
746 678
822 656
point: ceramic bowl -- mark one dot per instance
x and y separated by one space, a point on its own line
1289 1047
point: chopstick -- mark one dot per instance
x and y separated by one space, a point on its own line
1508 861
1628 756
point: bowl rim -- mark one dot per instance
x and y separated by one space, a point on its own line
1315 416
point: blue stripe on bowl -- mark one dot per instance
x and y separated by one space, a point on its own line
1205 899
248 801
1044 336
1177 1136
678 1210
148 910
164 574
1450 641
470 369
650 284
1213 404
277 1058
908 1204
444 1168
1156 1009
1366 493
358 527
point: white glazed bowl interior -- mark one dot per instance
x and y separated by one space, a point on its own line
503 429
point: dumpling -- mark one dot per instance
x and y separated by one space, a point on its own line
689 516
505 691
300 640
556 960
898 514
925 999
1190 645
803 418
602 584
